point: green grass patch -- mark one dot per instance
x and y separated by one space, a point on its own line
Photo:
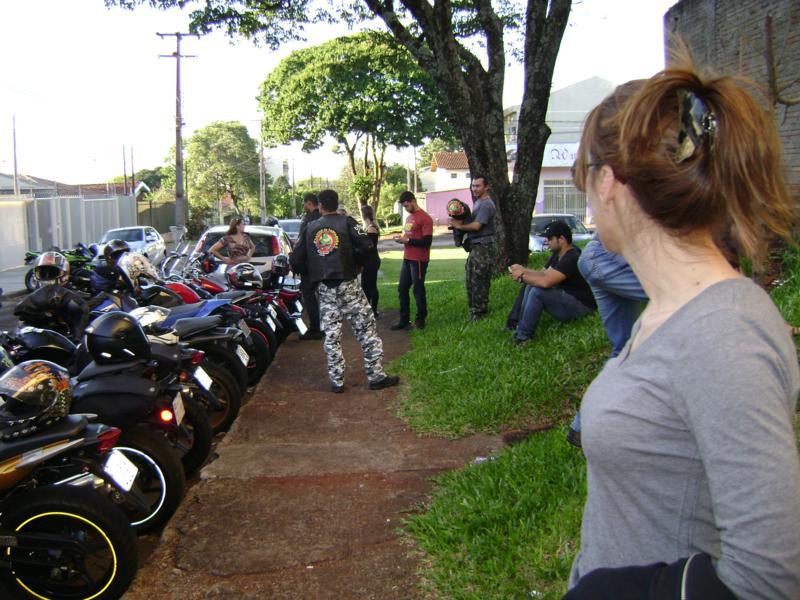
464 378
505 528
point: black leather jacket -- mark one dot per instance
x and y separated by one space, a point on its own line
331 249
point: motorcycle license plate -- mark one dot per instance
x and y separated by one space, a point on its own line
298 305
270 322
272 311
242 354
178 409
301 327
121 469
202 378
243 326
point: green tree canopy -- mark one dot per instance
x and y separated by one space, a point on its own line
365 91
221 162
464 47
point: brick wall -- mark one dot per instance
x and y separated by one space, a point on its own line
729 36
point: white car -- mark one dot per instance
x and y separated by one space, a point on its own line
291 227
143 239
540 222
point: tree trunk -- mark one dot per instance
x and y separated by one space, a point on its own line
474 96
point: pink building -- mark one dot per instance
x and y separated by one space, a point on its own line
435 203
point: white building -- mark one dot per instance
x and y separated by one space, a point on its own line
567 111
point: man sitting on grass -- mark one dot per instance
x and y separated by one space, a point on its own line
559 288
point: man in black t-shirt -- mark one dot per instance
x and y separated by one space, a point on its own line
559 288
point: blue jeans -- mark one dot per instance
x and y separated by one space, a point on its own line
556 302
618 294
412 273
617 291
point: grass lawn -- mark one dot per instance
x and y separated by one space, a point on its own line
506 528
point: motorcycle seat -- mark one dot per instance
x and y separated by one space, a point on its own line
168 354
185 310
71 426
186 327
234 295
93 370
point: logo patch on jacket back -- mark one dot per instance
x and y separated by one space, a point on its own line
326 240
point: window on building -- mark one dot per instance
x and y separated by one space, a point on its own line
561 196
453 175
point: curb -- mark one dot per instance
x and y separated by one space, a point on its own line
12 295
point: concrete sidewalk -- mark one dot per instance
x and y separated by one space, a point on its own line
12 282
307 494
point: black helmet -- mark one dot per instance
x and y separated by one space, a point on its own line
244 275
116 337
280 265
33 395
114 248
51 267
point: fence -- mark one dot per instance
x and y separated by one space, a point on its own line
66 220
12 234
156 213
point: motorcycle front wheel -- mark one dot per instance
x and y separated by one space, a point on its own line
71 543
31 283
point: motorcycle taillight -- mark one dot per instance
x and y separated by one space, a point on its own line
108 439
196 358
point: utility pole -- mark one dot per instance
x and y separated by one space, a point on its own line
181 206
14 136
262 193
124 171
133 177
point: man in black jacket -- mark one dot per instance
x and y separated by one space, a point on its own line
307 287
327 252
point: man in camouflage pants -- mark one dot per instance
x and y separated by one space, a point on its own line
329 252
482 255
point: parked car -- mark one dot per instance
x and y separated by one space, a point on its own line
269 241
144 240
540 222
291 227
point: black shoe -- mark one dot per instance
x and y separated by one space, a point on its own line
387 381
420 324
312 335
520 342
476 317
399 326
574 437
337 389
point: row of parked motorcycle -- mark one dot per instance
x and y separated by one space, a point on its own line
109 402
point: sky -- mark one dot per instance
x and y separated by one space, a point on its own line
82 81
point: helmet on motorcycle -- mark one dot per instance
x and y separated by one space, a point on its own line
114 249
244 275
280 265
51 267
33 395
116 337
134 266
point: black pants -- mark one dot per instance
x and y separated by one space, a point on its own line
412 273
310 302
369 283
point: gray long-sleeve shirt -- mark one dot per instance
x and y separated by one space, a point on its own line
691 448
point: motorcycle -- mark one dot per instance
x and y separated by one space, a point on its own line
80 263
60 535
